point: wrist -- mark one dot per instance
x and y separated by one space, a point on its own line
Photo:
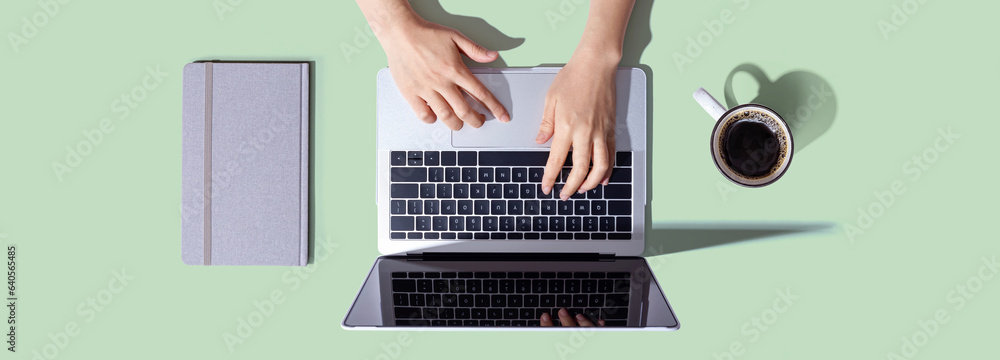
599 57
391 19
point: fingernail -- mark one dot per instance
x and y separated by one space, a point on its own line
538 138
579 316
563 312
505 118
564 197
545 317
580 191
605 182
491 53
546 189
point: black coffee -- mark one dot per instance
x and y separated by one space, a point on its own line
750 148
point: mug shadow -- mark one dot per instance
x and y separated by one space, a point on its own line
804 99
670 237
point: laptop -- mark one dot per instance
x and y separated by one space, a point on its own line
470 242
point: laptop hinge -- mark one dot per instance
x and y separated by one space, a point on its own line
459 256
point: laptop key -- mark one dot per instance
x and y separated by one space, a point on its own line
539 224
401 223
548 236
423 223
565 207
549 207
490 223
404 285
448 158
596 193
435 174
502 174
524 223
590 224
403 191
397 236
531 207
618 191
439 223
620 175
408 174
564 300
573 223
465 236
581 207
477 191
607 224
557 223
415 207
414 158
519 174
448 207
618 207
482 207
510 191
452 174
598 207
565 236
431 158
623 158
461 191
498 207
485 174
515 207
431 207
465 207
623 223
467 158
506 223
473 223
515 236
397 158
443 191
397 207
456 223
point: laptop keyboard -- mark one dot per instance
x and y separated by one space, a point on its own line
497 195
507 298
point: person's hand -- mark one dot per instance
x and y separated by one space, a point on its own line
426 63
580 112
566 320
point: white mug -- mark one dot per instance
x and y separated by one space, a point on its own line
743 157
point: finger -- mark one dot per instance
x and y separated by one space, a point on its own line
548 122
582 149
443 111
473 50
600 322
478 91
462 108
557 157
612 157
546 320
565 319
420 109
583 320
600 169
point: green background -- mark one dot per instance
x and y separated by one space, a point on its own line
119 208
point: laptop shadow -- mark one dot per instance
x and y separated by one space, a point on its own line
670 237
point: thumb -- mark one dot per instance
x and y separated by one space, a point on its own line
474 51
548 123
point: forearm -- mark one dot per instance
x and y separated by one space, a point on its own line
385 15
604 33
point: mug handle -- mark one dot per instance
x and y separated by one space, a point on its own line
707 102
751 69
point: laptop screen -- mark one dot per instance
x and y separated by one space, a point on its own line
608 294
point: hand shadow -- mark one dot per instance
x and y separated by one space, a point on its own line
476 29
805 100
668 238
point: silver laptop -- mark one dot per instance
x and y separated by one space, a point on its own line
468 239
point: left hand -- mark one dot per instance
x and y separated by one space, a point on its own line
580 112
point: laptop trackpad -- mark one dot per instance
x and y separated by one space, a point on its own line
524 97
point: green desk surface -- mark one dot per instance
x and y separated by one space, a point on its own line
822 264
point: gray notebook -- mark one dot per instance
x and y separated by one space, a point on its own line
245 164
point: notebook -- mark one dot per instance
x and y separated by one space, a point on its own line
245 163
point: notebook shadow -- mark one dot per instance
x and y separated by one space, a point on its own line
669 238
804 99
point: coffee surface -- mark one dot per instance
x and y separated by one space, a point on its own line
751 148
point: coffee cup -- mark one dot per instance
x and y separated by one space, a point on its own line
751 144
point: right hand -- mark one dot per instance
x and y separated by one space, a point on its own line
426 62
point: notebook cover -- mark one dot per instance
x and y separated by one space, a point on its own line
247 125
